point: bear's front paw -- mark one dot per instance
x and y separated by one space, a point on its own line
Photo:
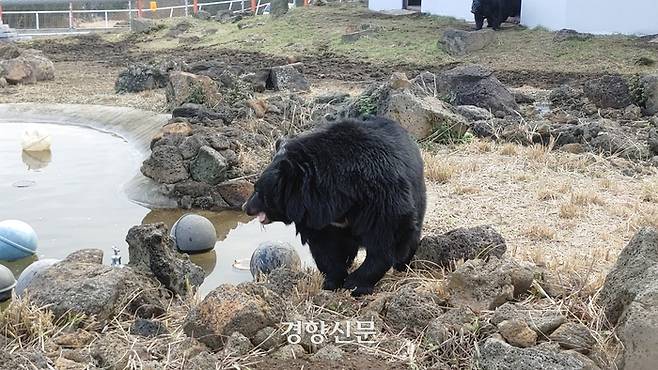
362 290
332 284
357 288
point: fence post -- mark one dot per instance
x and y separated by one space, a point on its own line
130 14
70 15
0 13
196 7
253 6
107 21
139 8
37 17
187 4
242 3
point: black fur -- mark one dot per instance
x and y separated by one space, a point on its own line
494 11
347 185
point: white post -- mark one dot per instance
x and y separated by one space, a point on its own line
37 16
186 6
70 16
242 3
230 6
171 13
130 14
107 21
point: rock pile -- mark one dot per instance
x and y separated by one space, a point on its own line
199 166
23 66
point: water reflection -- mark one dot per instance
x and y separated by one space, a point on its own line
207 261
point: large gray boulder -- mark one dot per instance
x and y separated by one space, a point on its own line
468 85
638 331
43 69
152 251
629 298
634 272
287 77
92 289
495 354
608 92
422 116
460 42
462 243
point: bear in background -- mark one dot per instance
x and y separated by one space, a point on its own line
494 11
348 185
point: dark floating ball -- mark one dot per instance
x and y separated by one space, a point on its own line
271 255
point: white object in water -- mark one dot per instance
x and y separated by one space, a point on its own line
35 140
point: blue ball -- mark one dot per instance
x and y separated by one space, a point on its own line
7 283
17 240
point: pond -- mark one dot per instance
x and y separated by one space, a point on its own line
73 198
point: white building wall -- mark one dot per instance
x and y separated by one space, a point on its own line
636 17
460 9
378 5
594 16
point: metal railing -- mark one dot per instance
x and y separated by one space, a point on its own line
239 8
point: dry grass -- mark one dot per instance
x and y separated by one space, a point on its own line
438 169
464 190
584 200
540 232
649 192
570 210
548 194
483 146
509 149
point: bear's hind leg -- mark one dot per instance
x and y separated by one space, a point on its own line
333 250
379 259
409 245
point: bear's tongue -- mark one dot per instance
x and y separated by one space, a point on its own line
262 217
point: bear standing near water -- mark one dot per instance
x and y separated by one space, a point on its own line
494 11
347 185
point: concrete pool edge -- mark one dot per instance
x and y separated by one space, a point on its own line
135 126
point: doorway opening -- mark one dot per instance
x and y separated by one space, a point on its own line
414 5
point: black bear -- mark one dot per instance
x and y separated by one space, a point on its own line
494 11
346 185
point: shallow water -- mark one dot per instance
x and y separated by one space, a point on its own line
73 198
